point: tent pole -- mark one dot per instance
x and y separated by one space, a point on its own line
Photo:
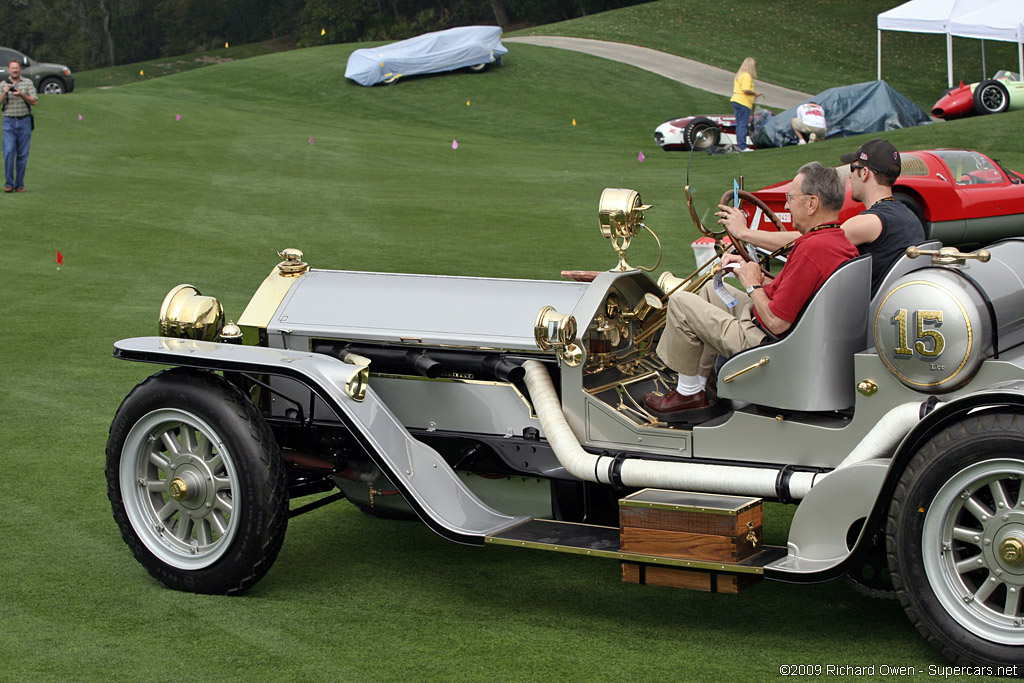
983 69
949 58
878 59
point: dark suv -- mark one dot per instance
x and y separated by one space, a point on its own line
53 79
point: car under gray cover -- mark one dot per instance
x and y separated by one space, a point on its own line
870 107
455 48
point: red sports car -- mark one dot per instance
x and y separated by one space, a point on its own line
962 197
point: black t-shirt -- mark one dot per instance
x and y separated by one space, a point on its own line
900 229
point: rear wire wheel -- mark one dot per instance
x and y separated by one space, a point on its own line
955 540
196 483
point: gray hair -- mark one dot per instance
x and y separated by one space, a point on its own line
824 183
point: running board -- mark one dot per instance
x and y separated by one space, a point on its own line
603 541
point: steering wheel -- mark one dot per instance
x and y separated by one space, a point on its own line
746 250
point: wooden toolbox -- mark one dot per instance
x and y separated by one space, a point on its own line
690 526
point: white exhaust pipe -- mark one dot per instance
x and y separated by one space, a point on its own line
639 473
763 482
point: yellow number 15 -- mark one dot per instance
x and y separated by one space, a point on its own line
922 334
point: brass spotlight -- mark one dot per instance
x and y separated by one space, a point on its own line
620 216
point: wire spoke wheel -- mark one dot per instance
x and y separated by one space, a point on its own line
181 489
955 539
973 548
196 483
991 97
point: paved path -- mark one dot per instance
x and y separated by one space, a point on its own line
686 71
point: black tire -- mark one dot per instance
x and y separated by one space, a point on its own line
52 86
991 97
694 129
915 207
955 540
193 433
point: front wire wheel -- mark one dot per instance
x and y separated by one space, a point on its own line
196 483
955 540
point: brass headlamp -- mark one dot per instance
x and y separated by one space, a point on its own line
187 314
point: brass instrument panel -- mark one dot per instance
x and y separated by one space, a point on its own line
618 368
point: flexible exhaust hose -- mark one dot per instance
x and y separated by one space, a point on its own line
639 473
690 476
885 435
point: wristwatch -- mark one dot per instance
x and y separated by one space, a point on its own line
751 288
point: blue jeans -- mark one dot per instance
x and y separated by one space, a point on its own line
742 121
17 135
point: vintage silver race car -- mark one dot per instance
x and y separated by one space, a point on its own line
510 412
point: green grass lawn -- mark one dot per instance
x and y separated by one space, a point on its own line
138 201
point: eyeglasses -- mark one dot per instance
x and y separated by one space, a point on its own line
789 196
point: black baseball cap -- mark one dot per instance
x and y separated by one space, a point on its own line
878 155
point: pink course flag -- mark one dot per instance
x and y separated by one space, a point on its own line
79 117
640 157
311 139
177 117
455 144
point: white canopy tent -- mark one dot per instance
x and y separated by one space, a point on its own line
999 20
936 16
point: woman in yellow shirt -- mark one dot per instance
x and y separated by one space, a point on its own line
743 95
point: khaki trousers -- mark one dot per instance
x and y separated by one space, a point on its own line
699 327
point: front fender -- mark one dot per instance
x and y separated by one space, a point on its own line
423 477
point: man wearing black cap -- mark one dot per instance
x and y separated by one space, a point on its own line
884 229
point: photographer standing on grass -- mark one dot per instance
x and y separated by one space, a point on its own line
17 96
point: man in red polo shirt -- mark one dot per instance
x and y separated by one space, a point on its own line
701 326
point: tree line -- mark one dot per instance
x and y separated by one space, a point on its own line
87 34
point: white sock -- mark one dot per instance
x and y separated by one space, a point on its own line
688 385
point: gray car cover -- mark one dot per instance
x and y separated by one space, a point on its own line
849 110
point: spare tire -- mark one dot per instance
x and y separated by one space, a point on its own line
991 97
693 130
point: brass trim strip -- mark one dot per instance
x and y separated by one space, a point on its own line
688 508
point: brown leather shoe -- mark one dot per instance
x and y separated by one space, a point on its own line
20 189
8 188
674 402
674 407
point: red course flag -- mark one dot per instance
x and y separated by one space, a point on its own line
60 259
